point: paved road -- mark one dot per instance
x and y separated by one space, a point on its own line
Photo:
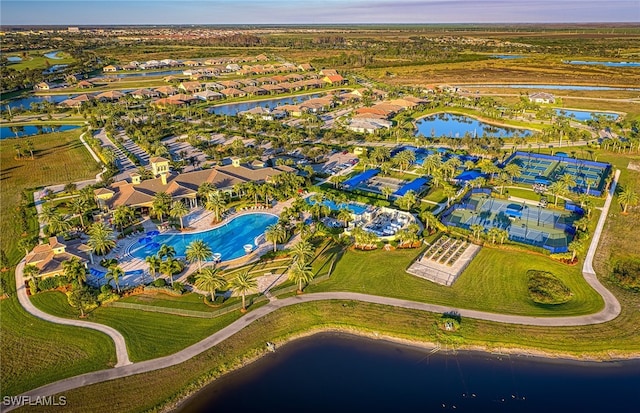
23 298
125 368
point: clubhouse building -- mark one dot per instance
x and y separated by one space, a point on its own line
139 193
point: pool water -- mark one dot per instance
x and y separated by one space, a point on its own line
584 115
228 239
456 126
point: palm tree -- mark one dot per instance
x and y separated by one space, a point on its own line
574 246
300 273
216 203
199 251
252 189
476 229
169 267
628 197
345 216
243 284
100 238
513 171
336 180
386 191
123 215
30 271
557 188
74 269
302 252
166 251
114 273
178 210
57 224
407 201
493 233
450 192
206 188
208 280
275 233
160 205
154 264
79 206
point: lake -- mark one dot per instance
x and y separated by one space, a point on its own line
506 56
608 64
143 74
455 126
585 115
341 373
28 130
232 109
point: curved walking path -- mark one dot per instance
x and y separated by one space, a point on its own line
23 298
125 368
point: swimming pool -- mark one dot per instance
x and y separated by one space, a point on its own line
228 240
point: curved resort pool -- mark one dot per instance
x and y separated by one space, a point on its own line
228 239
451 125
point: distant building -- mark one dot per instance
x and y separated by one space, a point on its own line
73 29
542 97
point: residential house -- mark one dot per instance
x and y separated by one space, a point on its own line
233 93
85 84
49 257
542 97
191 87
334 80
208 95
42 86
111 68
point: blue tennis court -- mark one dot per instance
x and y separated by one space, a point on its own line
589 175
541 227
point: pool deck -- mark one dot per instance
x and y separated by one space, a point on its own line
198 219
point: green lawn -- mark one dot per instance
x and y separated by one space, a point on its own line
36 352
148 335
57 351
495 281
36 59
53 154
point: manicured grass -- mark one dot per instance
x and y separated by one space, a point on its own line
148 335
167 385
53 154
36 352
36 59
495 281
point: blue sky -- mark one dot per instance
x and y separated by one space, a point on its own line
93 12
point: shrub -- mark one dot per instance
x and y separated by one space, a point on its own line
178 287
160 282
33 286
191 278
626 273
546 288
51 283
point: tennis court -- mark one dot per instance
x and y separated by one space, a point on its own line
528 224
588 175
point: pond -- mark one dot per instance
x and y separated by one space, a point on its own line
14 59
341 373
584 115
506 56
53 69
598 63
29 130
53 55
232 109
456 126
26 102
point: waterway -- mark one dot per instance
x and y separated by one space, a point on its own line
29 130
233 109
598 63
341 373
456 126
550 87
